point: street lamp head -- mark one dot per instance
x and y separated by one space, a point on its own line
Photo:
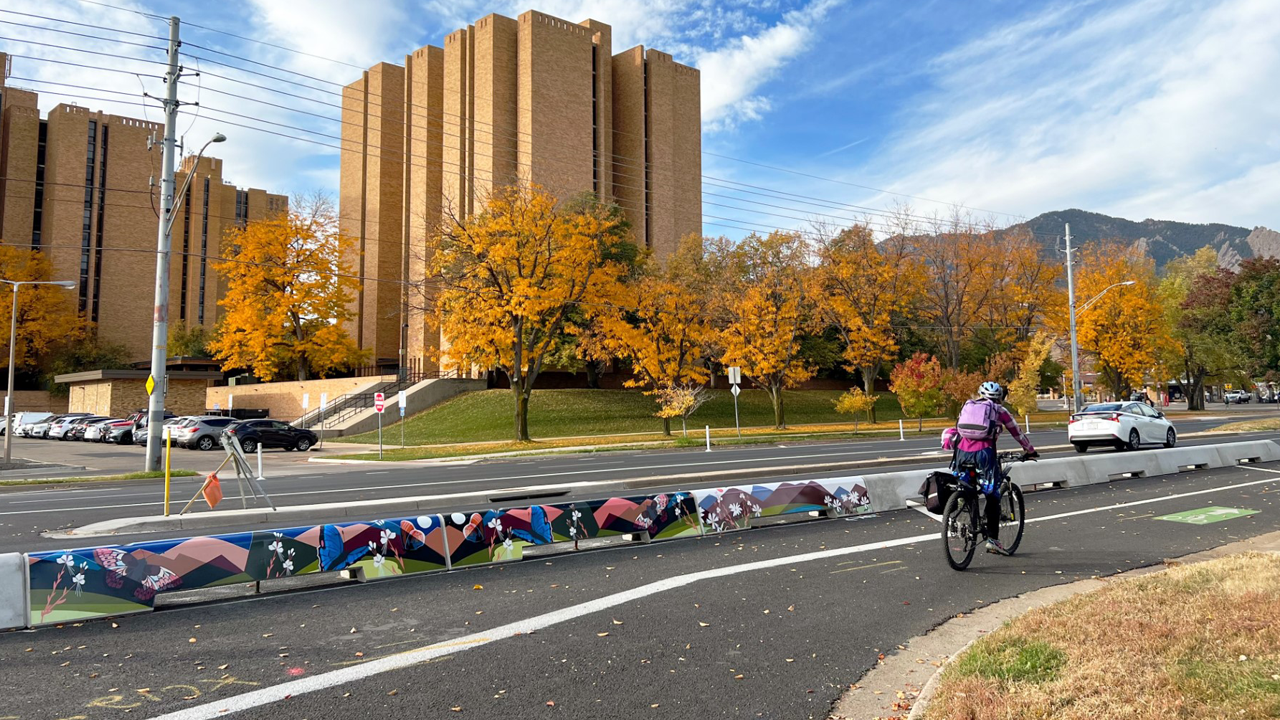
68 284
1129 282
218 137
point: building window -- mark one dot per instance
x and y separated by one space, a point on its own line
38 216
102 204
86 228
242 207
186 254
204 250
595 121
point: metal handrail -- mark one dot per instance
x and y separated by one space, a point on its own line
345 406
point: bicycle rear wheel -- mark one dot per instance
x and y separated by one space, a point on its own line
1012 520
959 530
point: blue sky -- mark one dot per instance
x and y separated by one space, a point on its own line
1138 108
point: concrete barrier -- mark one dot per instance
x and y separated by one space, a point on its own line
14 597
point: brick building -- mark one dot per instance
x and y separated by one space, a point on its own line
534 99
76 184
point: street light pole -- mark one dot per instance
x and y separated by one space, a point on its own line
1075 348
9 395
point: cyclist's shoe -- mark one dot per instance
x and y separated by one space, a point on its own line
994 546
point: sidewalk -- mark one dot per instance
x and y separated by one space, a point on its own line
900 686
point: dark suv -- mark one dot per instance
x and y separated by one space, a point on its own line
271 433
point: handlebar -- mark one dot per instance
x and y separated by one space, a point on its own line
1009 457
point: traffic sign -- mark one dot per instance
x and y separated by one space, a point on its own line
735 390
151 384
379 402
306 402
324 400
402 397
735 375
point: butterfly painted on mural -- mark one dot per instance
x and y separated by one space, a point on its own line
413 537
119 565
332 548
473 527
539 532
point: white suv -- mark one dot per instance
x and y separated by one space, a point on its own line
1237 397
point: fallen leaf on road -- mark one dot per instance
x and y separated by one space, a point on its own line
791 659
65 663
224 667
346 694
393 692
654 705
359 654
477 586
270 634
191 640
551 703
766 612
702 624
115 625
791 608
456 708
737 677
617 622
353 632
602 634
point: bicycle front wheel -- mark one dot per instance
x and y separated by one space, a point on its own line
960 530
1012 520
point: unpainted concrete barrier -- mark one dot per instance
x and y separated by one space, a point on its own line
14 597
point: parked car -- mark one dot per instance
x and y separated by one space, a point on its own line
202 432
93 431
269 434
140 423
1236 397
1120 425
119 433
22 421
58 429
41 429
77 428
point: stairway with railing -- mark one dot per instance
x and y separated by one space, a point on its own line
344 407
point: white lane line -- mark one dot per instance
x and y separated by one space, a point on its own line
322 681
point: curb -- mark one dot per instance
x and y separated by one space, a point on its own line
894 670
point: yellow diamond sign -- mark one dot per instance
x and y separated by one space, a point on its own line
151 384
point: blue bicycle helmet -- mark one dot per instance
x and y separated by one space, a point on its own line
991 391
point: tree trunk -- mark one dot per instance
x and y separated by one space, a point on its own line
869 374
779 417
1195 392
666 426
593 375
684 426
522 414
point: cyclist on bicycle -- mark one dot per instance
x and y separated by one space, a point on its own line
974 440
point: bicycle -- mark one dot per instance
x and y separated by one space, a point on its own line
964 523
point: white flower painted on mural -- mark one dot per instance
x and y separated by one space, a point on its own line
67 560
385 536
377 560
573 532
78 579
276 548
288 566
735 509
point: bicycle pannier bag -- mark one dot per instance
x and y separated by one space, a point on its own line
977 420
936 490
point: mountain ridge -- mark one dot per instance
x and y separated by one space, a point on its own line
1163 240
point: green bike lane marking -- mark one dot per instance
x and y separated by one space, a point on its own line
1208 515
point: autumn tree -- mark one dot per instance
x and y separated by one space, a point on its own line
769 302
680 400
47 318
1122 331
1196 296
917 382
1254 312
856 402
863 287
659 323
510 277
1025 388
289 295
188 340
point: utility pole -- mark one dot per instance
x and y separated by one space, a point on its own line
160 329
1076 385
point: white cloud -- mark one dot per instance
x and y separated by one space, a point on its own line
732 74
1155 108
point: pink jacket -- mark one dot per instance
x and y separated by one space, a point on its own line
951 435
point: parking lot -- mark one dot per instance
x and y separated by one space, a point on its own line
100 458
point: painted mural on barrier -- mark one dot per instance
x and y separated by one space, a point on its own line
116 580
501 535
732 508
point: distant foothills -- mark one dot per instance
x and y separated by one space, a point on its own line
1163 240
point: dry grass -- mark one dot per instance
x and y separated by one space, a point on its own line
1195 641
1249 426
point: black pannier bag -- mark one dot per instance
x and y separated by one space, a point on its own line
937 489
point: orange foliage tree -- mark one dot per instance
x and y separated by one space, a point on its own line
47 316
659 323
1124 331
863 287
509 277
769 300
288 296
918 382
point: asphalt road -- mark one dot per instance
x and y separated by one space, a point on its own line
26 512
768 623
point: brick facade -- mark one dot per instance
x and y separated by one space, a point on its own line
533 99
95 219
283 400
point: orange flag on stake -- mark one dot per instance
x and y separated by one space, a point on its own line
212 490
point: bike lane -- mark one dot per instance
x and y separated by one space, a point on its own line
781 639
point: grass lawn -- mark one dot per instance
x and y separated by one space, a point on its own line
1249 426
489 415
144 475
1195 641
